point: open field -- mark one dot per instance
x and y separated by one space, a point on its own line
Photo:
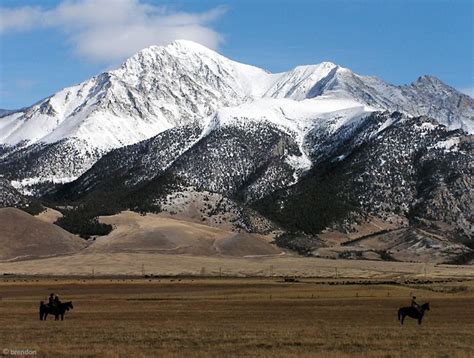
231 317
123 263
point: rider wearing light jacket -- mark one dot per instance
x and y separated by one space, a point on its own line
414 303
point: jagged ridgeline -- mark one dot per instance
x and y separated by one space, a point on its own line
313 149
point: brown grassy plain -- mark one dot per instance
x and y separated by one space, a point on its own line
235 317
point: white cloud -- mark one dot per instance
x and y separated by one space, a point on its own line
468 90
110 30
23 19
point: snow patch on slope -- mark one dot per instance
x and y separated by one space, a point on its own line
449 145
293 117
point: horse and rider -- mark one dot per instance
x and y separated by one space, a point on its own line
53 301
415 311
54 307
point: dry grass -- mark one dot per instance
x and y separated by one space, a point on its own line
235 317
124 263
155 233
25 236
49 215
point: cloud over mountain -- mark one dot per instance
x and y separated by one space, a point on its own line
108 31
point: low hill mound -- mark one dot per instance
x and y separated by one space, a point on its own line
154 233
23 236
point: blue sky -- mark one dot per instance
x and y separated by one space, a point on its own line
47 45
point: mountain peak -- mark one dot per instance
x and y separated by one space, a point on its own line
316 67
178 49
189 45
177 46
434 83
428 79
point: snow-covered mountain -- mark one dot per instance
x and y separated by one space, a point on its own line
59 138
157 89
313 149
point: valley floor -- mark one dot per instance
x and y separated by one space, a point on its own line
235 317
138 264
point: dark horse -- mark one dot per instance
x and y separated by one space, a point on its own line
57 311
413 312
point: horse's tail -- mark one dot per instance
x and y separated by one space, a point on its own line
41 310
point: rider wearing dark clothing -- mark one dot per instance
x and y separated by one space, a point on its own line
51 299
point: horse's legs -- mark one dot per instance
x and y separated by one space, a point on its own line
62 316
403 318
419 320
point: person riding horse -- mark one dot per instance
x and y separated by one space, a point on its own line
415 311
53 301
415 304
58 310
54 307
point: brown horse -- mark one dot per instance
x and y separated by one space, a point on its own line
413 312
